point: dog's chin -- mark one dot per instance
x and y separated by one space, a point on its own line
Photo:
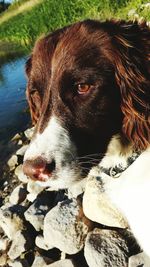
64 179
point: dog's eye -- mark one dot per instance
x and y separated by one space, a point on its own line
84 88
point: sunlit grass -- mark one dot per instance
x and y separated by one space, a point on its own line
26 26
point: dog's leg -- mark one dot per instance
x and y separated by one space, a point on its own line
130 193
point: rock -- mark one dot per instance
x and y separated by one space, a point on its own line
12 162
39 241
18 195
34 189
19 263
3 259
77 188
17 246
21 151
21 176
11 219
65 227
36 212
41 262
140 259
29 133
61 263
96 204
4 241
16 137
105 248
20 142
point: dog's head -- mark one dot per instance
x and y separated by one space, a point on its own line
86 82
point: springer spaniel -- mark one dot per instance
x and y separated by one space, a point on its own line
88 84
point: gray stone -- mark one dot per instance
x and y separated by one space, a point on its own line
36 212
21 176
34 189
19 263
140 259
17 246
77 188
18 195
29 133
62 263
21 151
16 137
4 241
3 259
11 219
96 204
12 162
39 241
20 142
41 261
65 227
105 248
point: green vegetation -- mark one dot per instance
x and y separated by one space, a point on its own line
46 15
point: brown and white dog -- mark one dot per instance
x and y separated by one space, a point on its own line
87 83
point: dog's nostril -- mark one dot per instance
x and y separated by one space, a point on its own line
50 167
38 169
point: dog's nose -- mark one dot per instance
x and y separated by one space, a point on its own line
39 168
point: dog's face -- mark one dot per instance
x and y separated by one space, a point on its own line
75 96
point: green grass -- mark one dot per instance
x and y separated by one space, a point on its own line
49 15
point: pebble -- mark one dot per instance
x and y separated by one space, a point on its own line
65 227
18 195
19 263
18 246
34 190
62 263
104 211
140 259
21 176
29 133
105 248
40 262
12 162
11 219
21 151
36 212
39 241
3 259
4 241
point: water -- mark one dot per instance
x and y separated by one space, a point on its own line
13 104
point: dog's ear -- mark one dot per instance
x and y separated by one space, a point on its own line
132 67
28 66
32 96
38 71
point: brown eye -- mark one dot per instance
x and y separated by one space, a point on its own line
84 88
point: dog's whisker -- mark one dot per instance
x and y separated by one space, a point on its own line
86 162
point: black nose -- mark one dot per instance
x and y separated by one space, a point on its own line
39 168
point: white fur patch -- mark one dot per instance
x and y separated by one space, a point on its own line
54 143
116 154
130 193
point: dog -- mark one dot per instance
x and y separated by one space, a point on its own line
88 88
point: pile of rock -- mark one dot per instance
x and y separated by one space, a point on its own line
49 228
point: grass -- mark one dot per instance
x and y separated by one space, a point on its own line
24 23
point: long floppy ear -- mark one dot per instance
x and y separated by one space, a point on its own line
32 96
132 62
38 70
